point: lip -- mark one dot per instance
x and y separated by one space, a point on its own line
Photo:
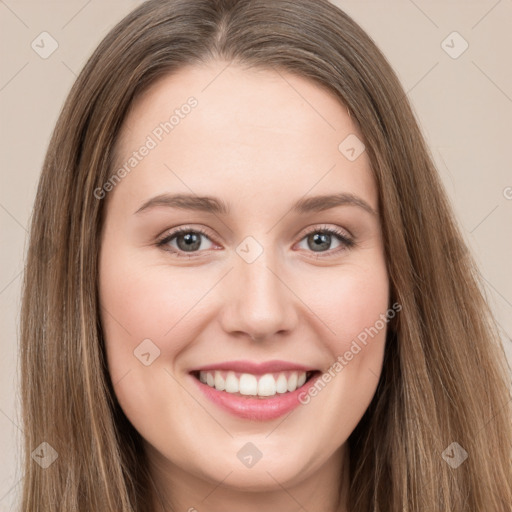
255 409
274 366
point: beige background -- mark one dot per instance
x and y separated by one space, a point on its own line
464 106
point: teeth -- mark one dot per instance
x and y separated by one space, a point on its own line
219 382
232 383
292 382
282 384
248 384
267 385
251 385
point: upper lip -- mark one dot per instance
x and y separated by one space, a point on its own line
256 368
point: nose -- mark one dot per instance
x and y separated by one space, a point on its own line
259 303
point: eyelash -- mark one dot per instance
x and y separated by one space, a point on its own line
347 242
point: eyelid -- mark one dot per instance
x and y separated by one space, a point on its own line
346 239
173 232
325 227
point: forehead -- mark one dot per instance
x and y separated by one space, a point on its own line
255 129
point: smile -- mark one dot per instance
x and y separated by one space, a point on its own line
263 391
248 384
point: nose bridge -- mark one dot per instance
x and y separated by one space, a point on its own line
259 302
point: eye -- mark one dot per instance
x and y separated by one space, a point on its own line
320 240
189 240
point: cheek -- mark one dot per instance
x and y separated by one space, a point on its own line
148 315
364 302
350 300
145 302
354 306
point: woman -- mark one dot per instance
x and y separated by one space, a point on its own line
238 369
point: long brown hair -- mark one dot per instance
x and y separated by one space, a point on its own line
444 378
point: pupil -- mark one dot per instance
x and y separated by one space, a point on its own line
321 240
192 241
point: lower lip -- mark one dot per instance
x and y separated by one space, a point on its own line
261 409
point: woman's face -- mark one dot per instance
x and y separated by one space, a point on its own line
256 293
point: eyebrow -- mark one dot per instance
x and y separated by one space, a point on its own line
215 205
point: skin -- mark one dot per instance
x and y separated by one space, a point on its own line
259 140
